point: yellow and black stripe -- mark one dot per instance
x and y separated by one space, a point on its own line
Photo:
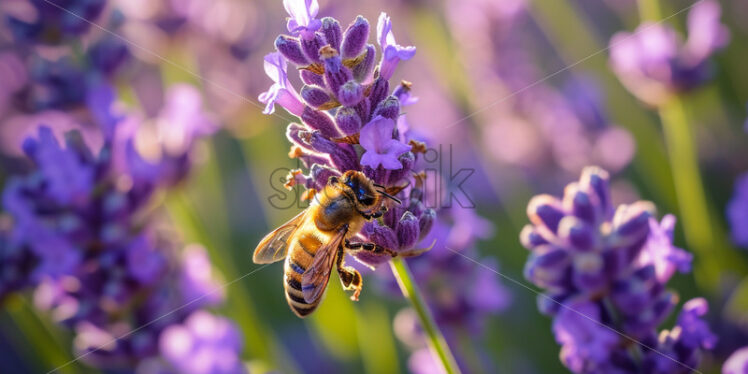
300 257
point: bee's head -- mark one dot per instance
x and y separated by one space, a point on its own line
356 184
362 188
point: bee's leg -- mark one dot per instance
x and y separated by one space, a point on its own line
379 250
349 277
371 248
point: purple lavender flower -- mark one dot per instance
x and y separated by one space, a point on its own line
737 212
302 21
347 118
654 64
80 238
605 271
737 363
392 52
282 91
204 344
381 148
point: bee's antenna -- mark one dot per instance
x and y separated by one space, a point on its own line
385 194
378 185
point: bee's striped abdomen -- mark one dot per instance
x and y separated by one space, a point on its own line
300 257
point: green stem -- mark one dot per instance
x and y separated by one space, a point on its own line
697 223
436 340
649 10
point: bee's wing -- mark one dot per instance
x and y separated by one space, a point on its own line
274 246
314 280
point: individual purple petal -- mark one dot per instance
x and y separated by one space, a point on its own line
302 19
281 91
392 52
660 252
381 148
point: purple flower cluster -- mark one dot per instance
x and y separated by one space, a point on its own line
350 118
79 228
534 125
47 22
80 238
60 76
653 62
604 274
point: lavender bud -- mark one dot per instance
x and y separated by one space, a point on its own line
578 234
355 38
402 90
545 211
343 156
388 108
408 230
378 91
348 121
426 222
530 239
320 121
363 110
381 235
311 78
290 48
320 175
350 93
363 70
335 73
332 31
631 222
314 96
597 181
296 133
547 266
311 48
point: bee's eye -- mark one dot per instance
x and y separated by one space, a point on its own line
367 200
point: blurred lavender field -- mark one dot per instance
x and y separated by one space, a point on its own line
577 168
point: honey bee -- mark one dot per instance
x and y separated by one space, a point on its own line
316 240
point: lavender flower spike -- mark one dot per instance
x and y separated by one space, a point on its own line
381 148
392 52
281 91
302 21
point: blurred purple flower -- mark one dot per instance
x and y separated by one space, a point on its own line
381 148
302 19
737 363
654 64
203 344
737 212
392 52
281 91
